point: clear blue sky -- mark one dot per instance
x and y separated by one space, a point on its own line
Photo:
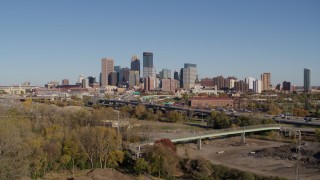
44 40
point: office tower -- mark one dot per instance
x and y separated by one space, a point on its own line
249 81
124 76
117 68
257 87
181 78
306 80
65 82
107 66
148 68
176 75
165 74
135 63
266 81
92 79
286 86
113 78
134 79
189 75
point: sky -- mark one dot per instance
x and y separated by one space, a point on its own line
46 40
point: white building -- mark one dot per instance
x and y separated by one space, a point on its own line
250 80
257 86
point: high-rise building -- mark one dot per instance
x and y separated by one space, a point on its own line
81 77
124 76
134 79
135 63
176 75
149 83
148 68
266 81
113 78
65 82
249 81
107 66
306 80
165 74
257 87
189 75
286 86
207 82
117 68
181 78
169 85
220 82
85 83
92 79
241 86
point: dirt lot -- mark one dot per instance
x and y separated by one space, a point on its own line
236 155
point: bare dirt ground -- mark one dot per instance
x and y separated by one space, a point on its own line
238 156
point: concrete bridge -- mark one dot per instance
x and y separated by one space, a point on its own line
213 133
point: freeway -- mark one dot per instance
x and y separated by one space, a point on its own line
298 122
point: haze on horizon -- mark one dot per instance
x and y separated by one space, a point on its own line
43 41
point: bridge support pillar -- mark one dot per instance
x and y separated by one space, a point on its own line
199 144
138 153
243 138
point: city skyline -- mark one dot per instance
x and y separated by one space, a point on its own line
45 41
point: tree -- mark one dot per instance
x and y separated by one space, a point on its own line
219 120
174 116
13 149
163 160
71 148
139 111
141 165
300 112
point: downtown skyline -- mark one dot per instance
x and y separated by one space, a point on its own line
44 41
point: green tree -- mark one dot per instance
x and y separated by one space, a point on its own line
141 165
140 111
174 116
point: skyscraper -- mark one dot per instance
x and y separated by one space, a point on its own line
148 68
135 63
189 75
165 74
266 81
134 79
176 75
250 80
124 76
107 66
306 79
257 86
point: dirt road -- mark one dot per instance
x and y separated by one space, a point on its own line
231 153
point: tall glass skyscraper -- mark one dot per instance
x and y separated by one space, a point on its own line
306 80
148 68
135 63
